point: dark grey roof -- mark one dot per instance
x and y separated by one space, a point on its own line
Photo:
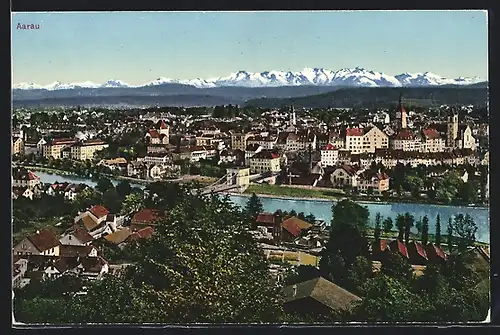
323 291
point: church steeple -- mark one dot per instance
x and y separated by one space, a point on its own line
401 113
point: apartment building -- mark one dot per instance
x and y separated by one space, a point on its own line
85 150
329 155
17 145
406 140
265 161
54 147
239 141
432 141
359 140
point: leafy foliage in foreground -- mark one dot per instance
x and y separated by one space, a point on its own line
201 265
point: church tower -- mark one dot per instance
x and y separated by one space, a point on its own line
401 114
294 117
452 130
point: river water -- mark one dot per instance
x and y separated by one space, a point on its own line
322 208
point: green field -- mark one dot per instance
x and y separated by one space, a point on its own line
286 191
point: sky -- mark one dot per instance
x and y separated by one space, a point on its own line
138 47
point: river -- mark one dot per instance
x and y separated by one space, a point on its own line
322 208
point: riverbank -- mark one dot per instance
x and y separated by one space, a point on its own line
291 193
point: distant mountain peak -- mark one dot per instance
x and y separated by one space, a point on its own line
310 76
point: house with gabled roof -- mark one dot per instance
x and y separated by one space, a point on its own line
379 249
24 178
319 296
398 246
375 180
145 217
265 161
92 267
417 253
143 233
293 227
269 224
25 192
77 237
78 251
435 254
43 242
346 175
119 236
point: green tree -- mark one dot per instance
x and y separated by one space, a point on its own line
388 225
468 192
132 203
378 219
409 222
400 225
123 188
419 226
104 184
390 300
414 184
347 241
360 271
301 274
437 237
450 235
86 198
310 218
111 200
199 266
465 228
425 230
253 207
395 266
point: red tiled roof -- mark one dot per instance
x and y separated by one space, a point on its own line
143 233
420 249
266 154
439 252
405 135
62 141
400 247
431 133
153 133
330 146
82 235
99 211
75 250
383 245
146 232
32 176
146 216
295 226
44 240
354 132
163 125
266 218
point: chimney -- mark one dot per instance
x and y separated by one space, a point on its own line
294 287
37 232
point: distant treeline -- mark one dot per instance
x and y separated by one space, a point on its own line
383 97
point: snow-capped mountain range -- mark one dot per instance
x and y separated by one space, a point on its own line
357 77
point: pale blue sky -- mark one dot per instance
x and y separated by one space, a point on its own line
137 47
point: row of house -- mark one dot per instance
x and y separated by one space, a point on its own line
367 139
44 255
333 156
70 148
